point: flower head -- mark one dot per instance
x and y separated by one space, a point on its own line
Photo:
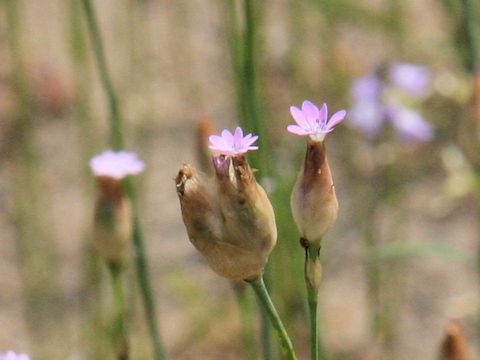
379 101
314 122
412 78
116 164
409 124
367 87
232 144
231 221
10 355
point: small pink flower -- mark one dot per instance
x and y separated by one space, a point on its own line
314 122
116 164
232 144
10 355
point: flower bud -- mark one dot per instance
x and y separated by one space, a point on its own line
231 223
454 345
313 201
112 230
113 226
313 270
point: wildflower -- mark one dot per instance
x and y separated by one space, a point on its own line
229 219
313 201
314 122
10 355
232 144
113 219
116 165
378 101
409 124
412 78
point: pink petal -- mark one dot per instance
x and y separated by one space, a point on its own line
310 111
228 136
218 141
299 117
247 141
238 136
336 118
252 148
323 116
297 130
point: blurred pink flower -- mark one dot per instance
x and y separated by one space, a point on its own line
412 78
232 144
10 355
379 101
314 122
409 124
116 164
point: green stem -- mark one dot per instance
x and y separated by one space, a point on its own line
472 26
120 334
312 308
266 303
251 93
144 273
119 143
115 116
312 282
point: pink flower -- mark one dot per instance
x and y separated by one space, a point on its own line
10 355
314 122
116 164
232 144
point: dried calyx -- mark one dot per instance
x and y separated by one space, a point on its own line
229 219
314 203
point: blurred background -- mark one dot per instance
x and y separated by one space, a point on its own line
400 263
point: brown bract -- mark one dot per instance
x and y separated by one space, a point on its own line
229 219
112 232
313 201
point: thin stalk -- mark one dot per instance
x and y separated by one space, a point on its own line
251 93
313 273
264 298
242 48
470 15
120 333
118 140
119 143
251 100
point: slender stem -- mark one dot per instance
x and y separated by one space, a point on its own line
120 334
115 116
472 26
144 273
313 274
118 143
312 308
265 301
251 93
